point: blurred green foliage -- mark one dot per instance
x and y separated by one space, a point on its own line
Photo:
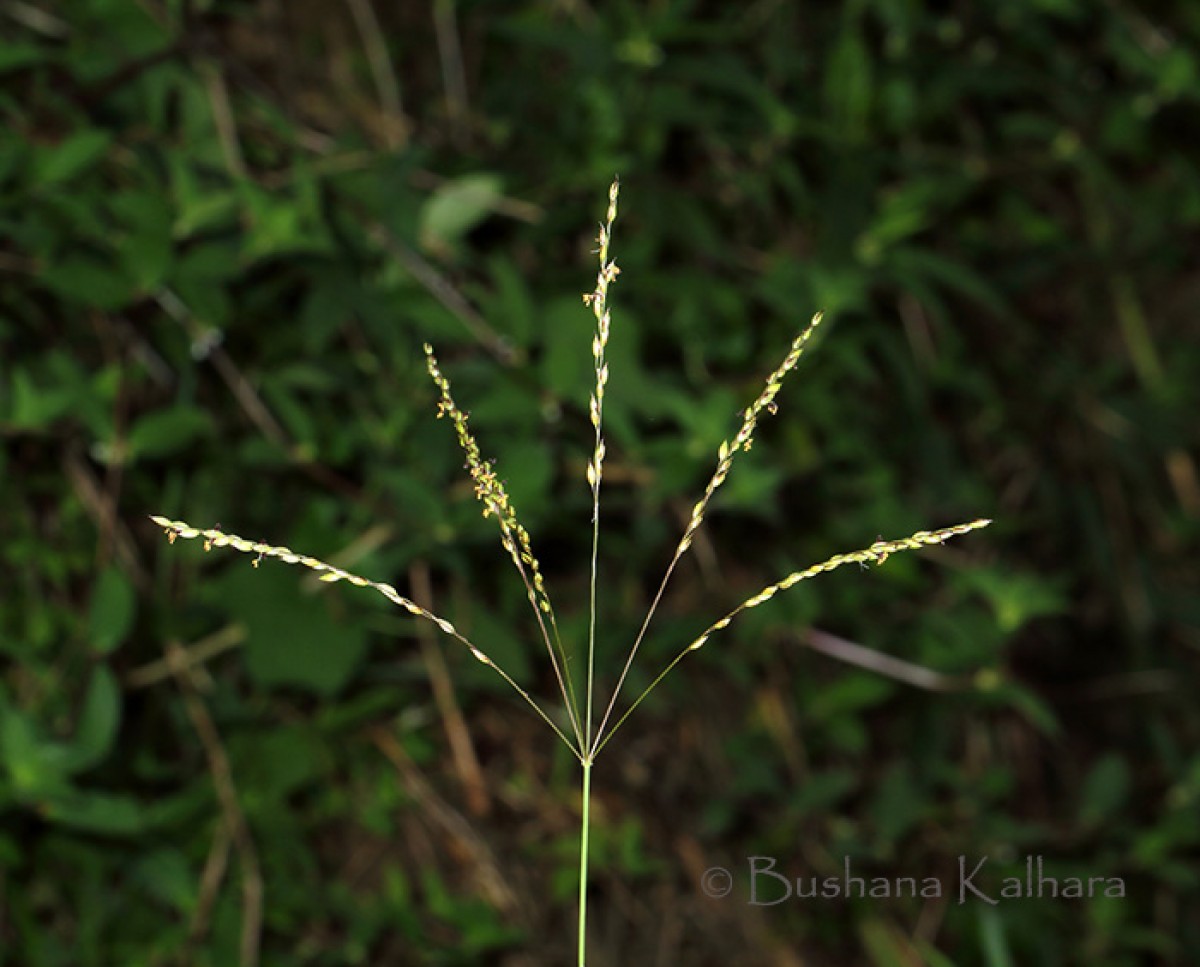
226 229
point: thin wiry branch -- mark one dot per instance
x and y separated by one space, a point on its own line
491 493
877 553
725 457
331 574
598 300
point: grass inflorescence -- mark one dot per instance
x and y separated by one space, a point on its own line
582 734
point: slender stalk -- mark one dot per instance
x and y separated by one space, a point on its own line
330 574
490 490
725 457
877 553
598 300
584 830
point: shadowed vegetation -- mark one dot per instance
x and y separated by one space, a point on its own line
226 232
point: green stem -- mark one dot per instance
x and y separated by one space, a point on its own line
584 829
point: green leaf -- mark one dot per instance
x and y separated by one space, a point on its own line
902 213
281 761
884 944
16 56
527 469
198 209
1032 706
993 938
292 637
201 278
96 730
70 158
91 281
898 805
455 208
165 875
165 432
849 695
1016 598
848 82
495 637
145 249
112 611
951 273
822 792
95 812
934 958
278 225
34 407
32 773
567 367
1105 791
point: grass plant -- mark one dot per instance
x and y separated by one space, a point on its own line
577 723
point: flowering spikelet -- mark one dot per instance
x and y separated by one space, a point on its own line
490 489
214 537
725 456
877 553
515 539
745 435
598 300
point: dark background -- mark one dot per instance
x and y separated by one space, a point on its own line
226 230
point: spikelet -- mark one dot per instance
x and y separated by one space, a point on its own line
329 573
214 537
725 457
877 553
489 489
745 436
597 299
